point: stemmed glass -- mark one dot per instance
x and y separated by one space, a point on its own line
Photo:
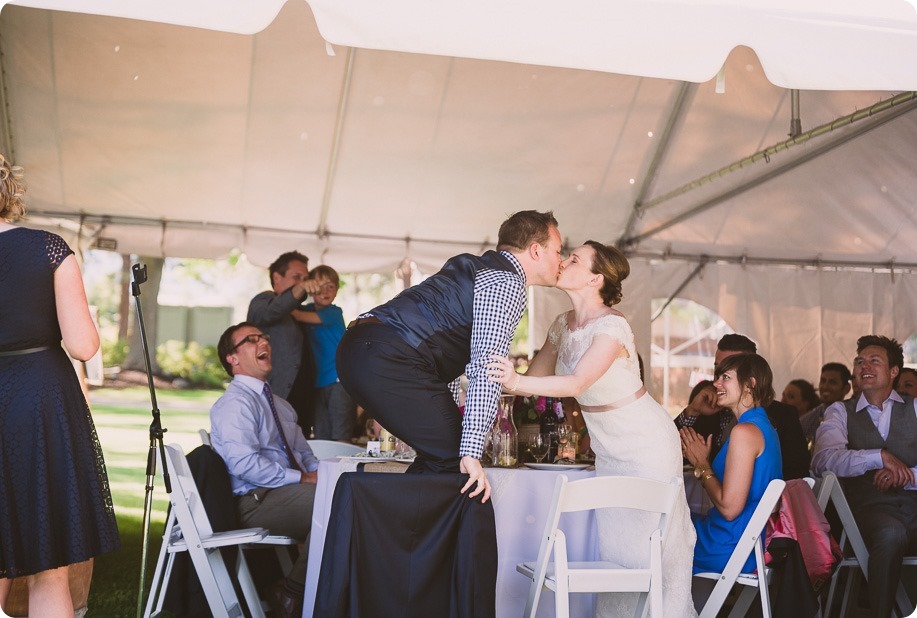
538 445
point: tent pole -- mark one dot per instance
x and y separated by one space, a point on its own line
688 279
795 120
777 171
336 143
745 260
765 154
685 91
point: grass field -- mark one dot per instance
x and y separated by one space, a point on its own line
122 419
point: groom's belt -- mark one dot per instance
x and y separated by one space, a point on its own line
620 403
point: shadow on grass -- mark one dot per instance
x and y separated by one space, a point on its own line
116 575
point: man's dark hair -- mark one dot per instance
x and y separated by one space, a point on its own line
838 368
748 366
224 347
892 348
524 228
735 342
281 264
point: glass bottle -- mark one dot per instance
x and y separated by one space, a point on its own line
548 425
505 437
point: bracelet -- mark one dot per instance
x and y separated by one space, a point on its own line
707 477
516 383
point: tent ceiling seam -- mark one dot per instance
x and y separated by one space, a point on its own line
746 260
877 122
336 143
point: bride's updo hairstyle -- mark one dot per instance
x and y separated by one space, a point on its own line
11 191
611 264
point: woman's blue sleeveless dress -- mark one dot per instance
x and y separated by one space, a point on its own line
717 537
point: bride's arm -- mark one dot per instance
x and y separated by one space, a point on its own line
594 363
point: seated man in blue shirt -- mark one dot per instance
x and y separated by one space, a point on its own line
271 466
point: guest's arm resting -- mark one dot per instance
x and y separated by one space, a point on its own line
77 328
831 452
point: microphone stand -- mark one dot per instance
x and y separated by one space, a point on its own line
156 431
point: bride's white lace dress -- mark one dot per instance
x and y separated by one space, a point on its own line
638 439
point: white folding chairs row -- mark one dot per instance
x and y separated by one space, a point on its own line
751 541
831 492
188 529
565 578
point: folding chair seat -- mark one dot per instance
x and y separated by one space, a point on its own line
751 541
853 546
565 578
188 529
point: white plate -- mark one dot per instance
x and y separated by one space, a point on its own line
549 466
380 459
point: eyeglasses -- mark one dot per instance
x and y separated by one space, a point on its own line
251 339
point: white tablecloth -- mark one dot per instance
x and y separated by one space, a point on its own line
521 498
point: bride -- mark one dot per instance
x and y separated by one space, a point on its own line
589 354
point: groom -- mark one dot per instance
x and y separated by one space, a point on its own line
402 360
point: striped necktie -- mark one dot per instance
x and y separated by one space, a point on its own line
283 438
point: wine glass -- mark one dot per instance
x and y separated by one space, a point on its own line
538 445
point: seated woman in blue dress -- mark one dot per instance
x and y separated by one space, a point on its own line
741 471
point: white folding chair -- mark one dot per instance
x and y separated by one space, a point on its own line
751 541
831 492
205 437
325 449
188 529
565 578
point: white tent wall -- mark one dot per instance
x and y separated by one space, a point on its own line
800 318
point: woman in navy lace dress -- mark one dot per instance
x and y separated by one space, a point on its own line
55 504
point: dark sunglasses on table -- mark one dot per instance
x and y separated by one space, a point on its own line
252 339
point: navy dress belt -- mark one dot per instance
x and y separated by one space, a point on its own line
40 348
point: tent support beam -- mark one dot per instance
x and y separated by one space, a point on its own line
665 140
91 219
673 295
745 260
765 154
910 98
795 119
336 142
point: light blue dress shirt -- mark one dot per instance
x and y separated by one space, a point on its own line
244 434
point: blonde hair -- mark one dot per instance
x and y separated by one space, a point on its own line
11 191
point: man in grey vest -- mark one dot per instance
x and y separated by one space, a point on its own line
400 361
870 442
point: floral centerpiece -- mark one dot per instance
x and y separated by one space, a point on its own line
528 410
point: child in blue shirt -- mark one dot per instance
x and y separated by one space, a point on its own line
335 411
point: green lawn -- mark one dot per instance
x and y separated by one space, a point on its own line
122 419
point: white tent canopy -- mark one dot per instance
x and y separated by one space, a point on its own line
364 132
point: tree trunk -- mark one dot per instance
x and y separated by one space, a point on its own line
149 295
124 307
